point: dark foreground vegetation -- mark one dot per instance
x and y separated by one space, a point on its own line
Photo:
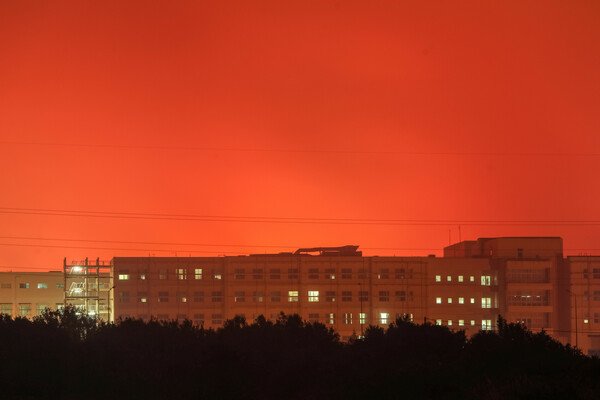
63 355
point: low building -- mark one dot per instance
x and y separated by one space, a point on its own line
27 294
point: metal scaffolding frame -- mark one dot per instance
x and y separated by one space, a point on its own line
89 288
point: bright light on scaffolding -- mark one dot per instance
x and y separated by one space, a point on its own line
77 269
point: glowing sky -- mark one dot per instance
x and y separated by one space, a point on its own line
376 110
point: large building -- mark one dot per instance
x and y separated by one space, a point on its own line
28 294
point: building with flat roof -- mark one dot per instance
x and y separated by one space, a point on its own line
27 294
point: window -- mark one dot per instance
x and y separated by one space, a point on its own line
449 300
449 322
530 298
199 319
257 273
41 308
461 322
293 273
330 297
182 297
485 280
486 302
162 274
239 297
275 297
163 297
460 278
239 274
346 295
596 272
472 322
142 297
160 317
586 296
24 309
198 297
142 275
399 273
293 296
330 273
363 296
471 278
331 319
346 273
348 319
6 309
217 319
438 322
313 296
313 273
585 274
313 318
596 318
275 273
384 273
438 300
486 324
123 297
42 286
362 273
596 295
198 273
362 317
23 285
258 297
124 276
384 318
217 275
401 295
438 278
449 278
472 300
181 273
461 300
217 297
384 296
5 285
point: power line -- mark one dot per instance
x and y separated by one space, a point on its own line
309 151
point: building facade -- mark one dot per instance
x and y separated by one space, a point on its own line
27 294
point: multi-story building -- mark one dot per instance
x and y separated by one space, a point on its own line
28 294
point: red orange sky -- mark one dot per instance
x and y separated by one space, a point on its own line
439 111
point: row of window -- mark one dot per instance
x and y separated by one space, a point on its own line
486 302
274 273
486 324
313 296
25 309
25 285
486 280
595 273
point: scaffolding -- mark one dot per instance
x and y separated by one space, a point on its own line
89 288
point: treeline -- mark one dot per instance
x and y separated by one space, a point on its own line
70 356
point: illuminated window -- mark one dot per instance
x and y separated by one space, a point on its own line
585 321
198 273
162 274
384 318
438 322
449 278
217 297
257 273
331 319
346 296
461 300
472 278
123 297
472 300
330 297
384 273
362 318
313 273
239 297
449 322
461 322
60 285
239 274
6 309
42 286
198 297
163 297
24 309
41 308
485 280
384 296
293 273
449 300
60 306
258 297
142 297
275 273
217 275
275 297
486 324
142 276
486 302
313 296
124 276
293 296
330 273
346 273
348 319
181 273
438 278
182 297
438 300
472 322
460 278
5 285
